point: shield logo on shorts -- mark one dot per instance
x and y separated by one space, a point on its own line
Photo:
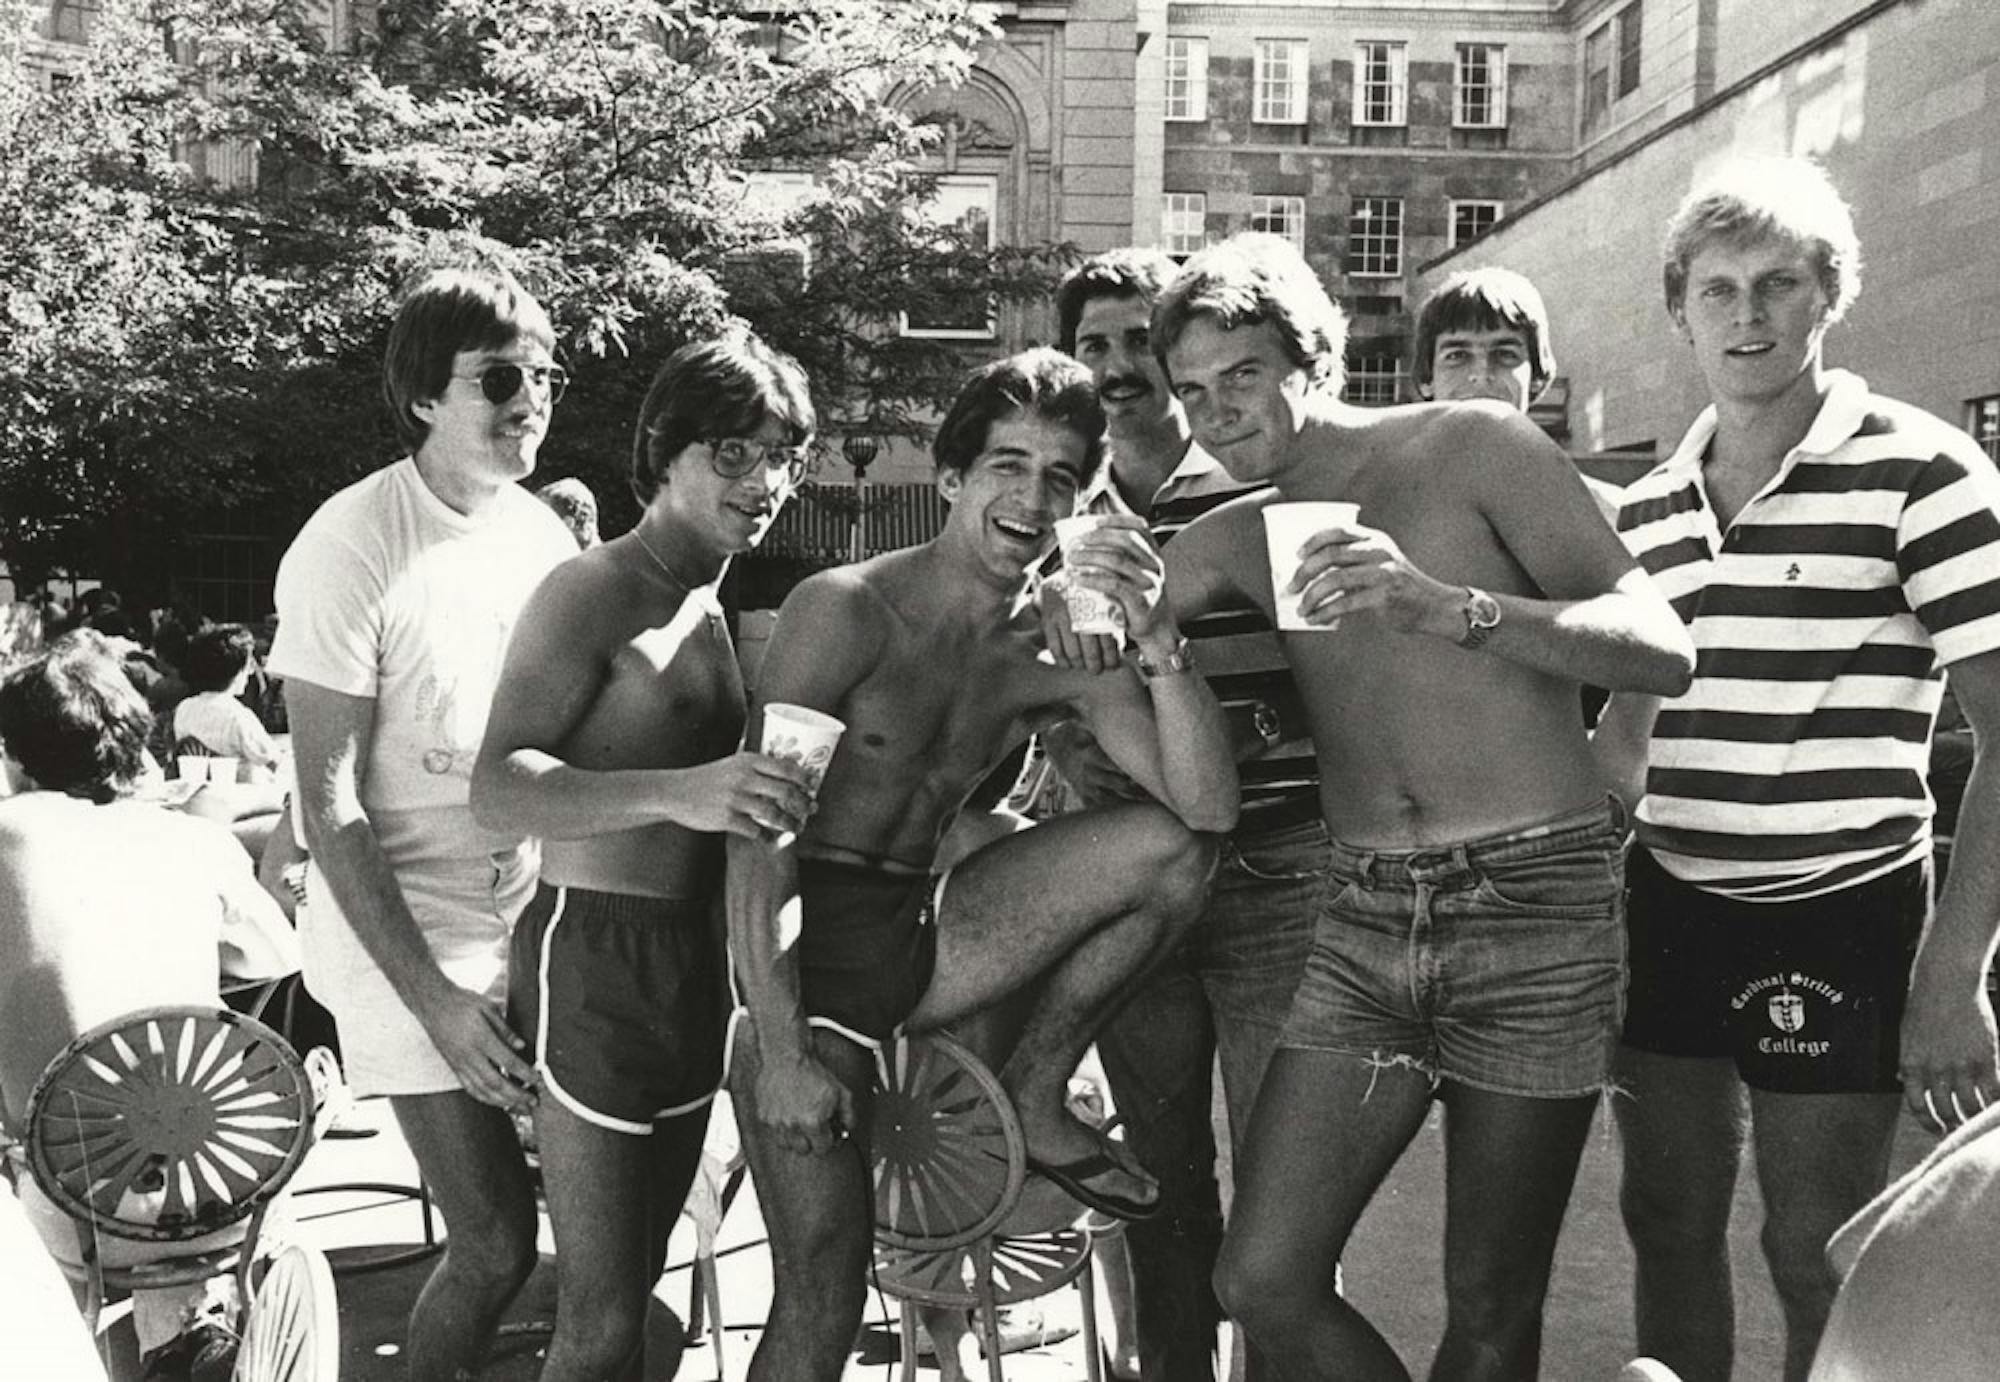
1788 1012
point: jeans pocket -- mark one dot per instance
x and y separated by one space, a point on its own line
1581 882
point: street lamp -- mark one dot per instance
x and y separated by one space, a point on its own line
860 450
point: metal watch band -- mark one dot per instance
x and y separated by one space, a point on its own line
1180 660
1482 616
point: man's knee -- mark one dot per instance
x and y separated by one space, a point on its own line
1663 1214
1176 862
1260 1289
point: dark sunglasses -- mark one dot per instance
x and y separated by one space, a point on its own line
734 457
501 382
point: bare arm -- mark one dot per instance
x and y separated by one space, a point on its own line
1948 1050
557 663
331 734
1599 620
1166 731
1620 745
821 648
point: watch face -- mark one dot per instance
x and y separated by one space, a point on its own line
1483 611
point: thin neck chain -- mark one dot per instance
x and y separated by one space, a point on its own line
696 590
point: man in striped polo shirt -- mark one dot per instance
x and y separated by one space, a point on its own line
1829 549
1227 989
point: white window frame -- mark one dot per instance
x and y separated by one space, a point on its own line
958 196
1499 213
1380 388
1184 222
1292 59
1395 56
1360 232
1279 215
1494 87
1187 77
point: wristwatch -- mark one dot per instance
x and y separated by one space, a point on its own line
1482 616
1180 660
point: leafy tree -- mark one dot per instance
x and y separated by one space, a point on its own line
174 343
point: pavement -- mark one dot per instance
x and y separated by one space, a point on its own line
1392 1273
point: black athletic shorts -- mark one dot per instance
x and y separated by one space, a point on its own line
1806 996
624 1001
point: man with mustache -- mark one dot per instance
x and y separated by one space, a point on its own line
396 600
1227 988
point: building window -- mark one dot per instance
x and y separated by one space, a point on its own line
1374 380
1611 62
1279 79
1375 237
1187 79
1472 219
967 205
1381 84
1284 216
1628 49
1184 222
1481 102
1982 419
70 21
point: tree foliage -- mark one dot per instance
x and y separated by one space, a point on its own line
175 340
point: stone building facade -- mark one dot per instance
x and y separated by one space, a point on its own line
1899 100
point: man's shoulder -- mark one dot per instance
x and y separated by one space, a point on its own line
1908 431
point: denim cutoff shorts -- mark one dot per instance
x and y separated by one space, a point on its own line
1498 963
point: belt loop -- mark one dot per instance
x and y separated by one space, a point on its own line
1365 865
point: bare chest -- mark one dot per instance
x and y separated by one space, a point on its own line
671 696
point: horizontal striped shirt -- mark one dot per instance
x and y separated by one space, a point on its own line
1237 652
1795 764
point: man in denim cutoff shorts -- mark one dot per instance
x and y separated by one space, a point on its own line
1468 943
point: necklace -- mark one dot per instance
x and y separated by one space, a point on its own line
702 595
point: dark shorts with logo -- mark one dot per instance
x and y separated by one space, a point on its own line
1807 997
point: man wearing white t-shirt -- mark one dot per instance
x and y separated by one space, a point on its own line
397 599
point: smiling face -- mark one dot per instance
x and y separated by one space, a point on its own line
1245 396
1006 501
725 515
1496 364
482 444
1756 315
1114 341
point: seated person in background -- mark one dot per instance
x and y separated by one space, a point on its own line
570 500
219 662
86 943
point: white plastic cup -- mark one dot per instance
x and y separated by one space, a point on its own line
193 767
1286 528
222 769
1090 611
803 736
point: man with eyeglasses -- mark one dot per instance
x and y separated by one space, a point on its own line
396 601
613 738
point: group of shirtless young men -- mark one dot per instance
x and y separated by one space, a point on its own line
1449 923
